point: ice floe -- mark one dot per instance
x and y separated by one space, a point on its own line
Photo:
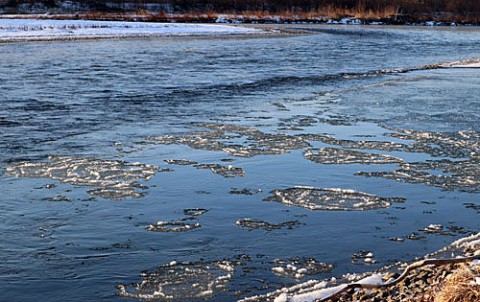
175 281
462 174
172 226
297 268
221 137
113 179
244 191
225 171
194 212
180 225
363 257
342 156
180 162
254 224
331 199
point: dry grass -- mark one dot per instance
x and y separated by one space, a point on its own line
460 286
389 11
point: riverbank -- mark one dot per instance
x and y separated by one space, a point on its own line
12 30
450 274
251 17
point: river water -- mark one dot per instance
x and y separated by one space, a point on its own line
252 154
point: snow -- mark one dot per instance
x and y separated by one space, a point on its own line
282 298
375 279
472 65
321 291
466 241
475 242
28 30
317 294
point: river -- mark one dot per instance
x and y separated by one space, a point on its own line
219 168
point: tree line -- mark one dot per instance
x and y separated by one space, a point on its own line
416 9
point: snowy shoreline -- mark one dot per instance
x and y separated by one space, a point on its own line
18 30
464 250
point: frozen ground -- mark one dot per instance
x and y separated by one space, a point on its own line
27 30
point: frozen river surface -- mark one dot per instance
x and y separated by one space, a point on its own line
210 168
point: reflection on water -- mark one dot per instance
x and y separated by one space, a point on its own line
237 123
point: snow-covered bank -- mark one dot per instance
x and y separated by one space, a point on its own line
32 30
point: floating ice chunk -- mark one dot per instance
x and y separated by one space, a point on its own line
194 212
279 270
225 171
297 268
363 257
181 162
253 224
177 226
331 199
217 139
342 156
114 179
434 228
186 281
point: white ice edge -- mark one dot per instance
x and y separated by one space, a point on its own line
317 294
375 279
473 63
21 29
